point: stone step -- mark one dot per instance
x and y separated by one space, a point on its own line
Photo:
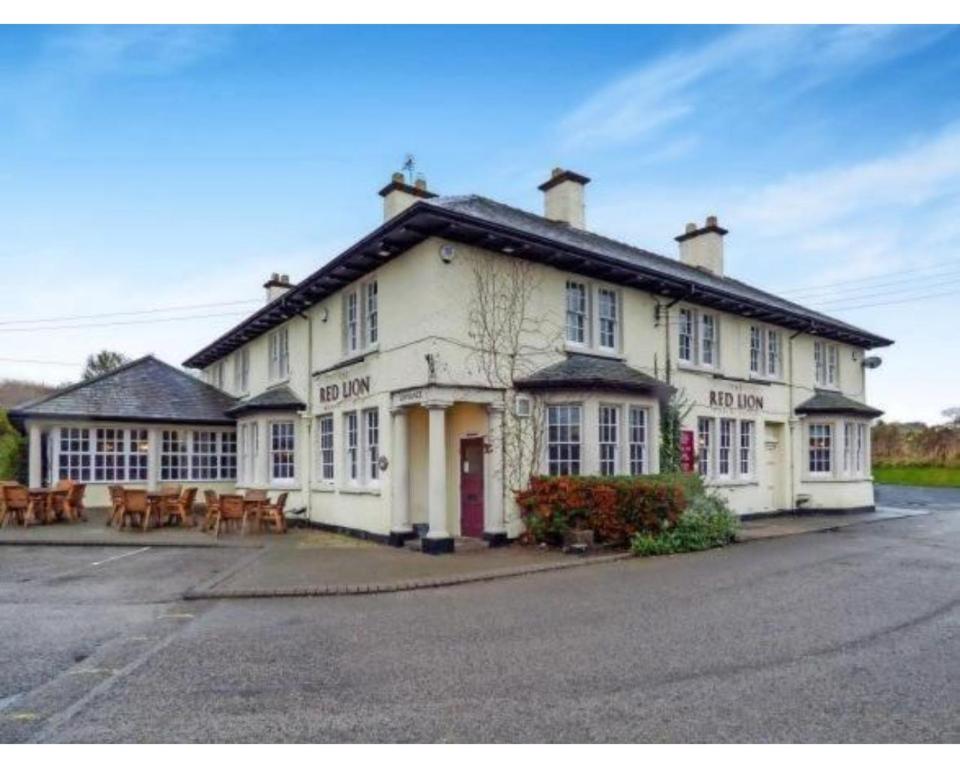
460 544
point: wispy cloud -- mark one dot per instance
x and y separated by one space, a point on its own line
677 86
71 61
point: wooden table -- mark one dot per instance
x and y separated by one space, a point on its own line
155 501
43 507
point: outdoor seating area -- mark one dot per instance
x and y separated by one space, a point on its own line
175 505
143 510
40 506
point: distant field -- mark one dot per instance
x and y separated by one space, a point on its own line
929 476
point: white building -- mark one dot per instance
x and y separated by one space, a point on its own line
408 386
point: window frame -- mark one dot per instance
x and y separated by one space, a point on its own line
692 339
326 454
824 458
360 327
747 429
613 301
241 371
278 353
638 449
609 436
273 451
726 448
573 442
583 314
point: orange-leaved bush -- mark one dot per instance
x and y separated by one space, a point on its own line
614 508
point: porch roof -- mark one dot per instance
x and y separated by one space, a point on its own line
277 399
144 390
581 371
827 402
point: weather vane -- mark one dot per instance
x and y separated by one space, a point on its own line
409 164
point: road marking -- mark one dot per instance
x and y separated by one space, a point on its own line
92 671
176 616
22 716
117 557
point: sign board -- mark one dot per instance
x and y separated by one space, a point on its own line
331 393
741 400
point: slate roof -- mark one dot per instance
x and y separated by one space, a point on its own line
144 390
477 220
828 402
493 211
593 372
276 399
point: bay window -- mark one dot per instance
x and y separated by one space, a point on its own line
563 439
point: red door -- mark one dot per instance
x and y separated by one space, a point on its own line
471 487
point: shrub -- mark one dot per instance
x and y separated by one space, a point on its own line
12 450
614 508
707 522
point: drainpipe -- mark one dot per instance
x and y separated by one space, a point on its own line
791 420
308 473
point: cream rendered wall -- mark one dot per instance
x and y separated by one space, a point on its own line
424 309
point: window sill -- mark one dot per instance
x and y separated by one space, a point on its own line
693 368
583 349
722 483
357 490
323 488
832 479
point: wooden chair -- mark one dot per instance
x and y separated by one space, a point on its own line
254 503
170 489
180 507
134 504
72 503
273 513
17 504
230 511
212 502
116 502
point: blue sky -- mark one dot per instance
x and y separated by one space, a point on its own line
150 167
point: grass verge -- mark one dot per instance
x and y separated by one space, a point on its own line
938 477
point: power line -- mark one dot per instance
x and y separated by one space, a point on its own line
903 283
937 265
154 310
38 362
954 292
885 292
119 322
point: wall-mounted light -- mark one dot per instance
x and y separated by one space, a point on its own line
447 252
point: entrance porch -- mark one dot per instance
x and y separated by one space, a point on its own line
447 468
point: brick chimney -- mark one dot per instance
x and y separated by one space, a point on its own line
277 285
398 195
563 197
702 247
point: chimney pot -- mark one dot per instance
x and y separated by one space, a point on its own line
691 227
712 221
285 279
421 183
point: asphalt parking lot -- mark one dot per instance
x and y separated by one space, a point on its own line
851 635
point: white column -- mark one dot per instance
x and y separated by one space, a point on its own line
400 475
35 476
437 475
494 523
153 458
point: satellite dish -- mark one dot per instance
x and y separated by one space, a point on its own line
872 362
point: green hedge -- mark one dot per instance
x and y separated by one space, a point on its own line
614 508
12 450
706 523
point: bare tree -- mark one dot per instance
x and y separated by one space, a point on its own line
511 339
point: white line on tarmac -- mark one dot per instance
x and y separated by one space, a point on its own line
117 557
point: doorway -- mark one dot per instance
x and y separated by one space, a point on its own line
471 487
774 466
